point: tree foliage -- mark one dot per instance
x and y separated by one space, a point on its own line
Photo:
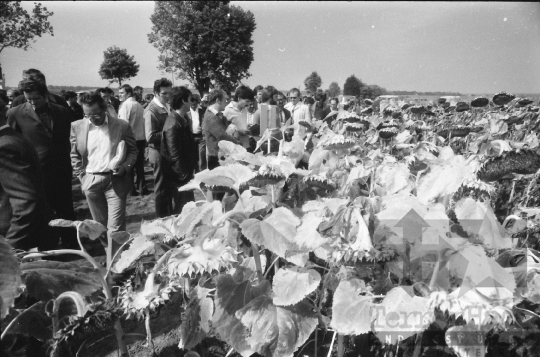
18 27
312 82
118 65
372 91
353 86
334 90
208 43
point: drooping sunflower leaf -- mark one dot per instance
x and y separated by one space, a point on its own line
351 312
291 285
45 279
232 294
307 236
229 176
34 322
87 228
194 215
276 331
401 314
10 277
276 232
140 246
196 318
163 228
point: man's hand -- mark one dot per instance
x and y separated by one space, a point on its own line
119 171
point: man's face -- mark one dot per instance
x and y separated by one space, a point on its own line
164 95
224 102
123 95
280 101
243 103
72 101
94 113
251 107
295 97
194 103
333 104
37 100
259 96
10 95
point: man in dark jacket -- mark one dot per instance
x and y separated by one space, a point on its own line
178 155
330 113
38 76
71 98
47 126
24 213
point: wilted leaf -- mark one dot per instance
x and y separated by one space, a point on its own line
478 218
160 227
34 322
47 279
351 312
232 294
291 285
229 176
401 314
307 236
91 229
10 277
195 320
276 331
61 223
194 215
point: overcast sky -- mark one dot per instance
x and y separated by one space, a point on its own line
483 47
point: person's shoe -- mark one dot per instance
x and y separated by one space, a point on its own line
134 192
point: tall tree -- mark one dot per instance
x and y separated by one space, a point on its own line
353 86
312 82
372 91
207 42
334 90
118 65
18 28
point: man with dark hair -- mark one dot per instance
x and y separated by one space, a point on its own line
132 112
178 155
138 95
330 113
24 213
40 77
12 94
283 114
296 107
103 152
147 99
115 102
215 126
236 113
107 97
258 93
196 115
71 99
46 125
155 115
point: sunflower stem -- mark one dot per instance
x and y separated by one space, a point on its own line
256 256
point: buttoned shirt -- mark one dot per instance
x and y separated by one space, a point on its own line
195 122
299 112
99 147
132 112
239 119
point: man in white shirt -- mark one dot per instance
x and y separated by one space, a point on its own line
102 163
196 115
296 107
236 114
133 112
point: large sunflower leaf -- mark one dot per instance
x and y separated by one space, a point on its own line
401 315
140 246
194 215
10 277
34 322
276 331
45 279
160 227
87 228
229 176
307 236
351 312
477 218
196 319
276 233
291 285
232 294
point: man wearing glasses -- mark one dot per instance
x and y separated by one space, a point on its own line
155 115
102 163
296 107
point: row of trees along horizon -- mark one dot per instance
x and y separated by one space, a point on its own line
192 49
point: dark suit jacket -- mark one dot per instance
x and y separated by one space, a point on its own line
179 153
214 130
53 98
118 130
201 117
53 149
24 213
325 113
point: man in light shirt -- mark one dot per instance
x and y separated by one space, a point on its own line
196 115
296 107
132 112
236 113
100 162
155 115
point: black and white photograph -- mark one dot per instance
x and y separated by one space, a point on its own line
269 179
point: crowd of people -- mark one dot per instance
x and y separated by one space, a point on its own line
47 139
